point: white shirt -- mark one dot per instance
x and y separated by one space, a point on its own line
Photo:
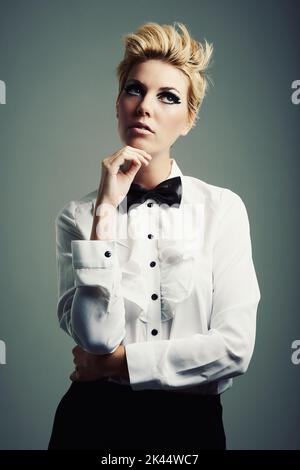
200 330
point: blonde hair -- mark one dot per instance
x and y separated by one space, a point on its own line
163 42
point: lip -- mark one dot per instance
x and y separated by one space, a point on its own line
141 125
139 131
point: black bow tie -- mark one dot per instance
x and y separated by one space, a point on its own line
167 192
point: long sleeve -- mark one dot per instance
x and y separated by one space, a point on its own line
90 307
225 351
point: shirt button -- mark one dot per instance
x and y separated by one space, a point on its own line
150 204
154 296
152 264
107 254
154 332
150 235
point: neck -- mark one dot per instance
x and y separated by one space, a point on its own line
157 171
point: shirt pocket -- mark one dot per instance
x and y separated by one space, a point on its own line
179 264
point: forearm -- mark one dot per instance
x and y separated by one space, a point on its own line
222 353
98 313
104 222
98 321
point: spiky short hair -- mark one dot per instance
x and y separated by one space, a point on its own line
164 42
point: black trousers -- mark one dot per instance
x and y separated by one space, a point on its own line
101 415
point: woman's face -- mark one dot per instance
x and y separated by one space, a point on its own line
144 100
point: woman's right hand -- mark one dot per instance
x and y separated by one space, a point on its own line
115 183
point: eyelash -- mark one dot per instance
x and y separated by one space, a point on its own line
166 93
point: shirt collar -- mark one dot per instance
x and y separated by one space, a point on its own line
175 170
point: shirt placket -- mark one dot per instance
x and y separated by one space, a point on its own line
152 268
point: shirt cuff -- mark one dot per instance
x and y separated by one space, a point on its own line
93 253
142 366
94 262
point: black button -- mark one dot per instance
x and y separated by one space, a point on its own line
154 296
154 332
152 264
150 235
107 254
150 204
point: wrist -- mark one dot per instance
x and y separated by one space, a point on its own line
119 363
104 225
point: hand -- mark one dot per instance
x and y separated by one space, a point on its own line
90 366
115 183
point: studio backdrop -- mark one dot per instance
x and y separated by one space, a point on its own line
58 88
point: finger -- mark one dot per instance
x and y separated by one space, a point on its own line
135 149
144 158
135 161
132 150
74 376
139 153
132 168
128 156
76 350
130 153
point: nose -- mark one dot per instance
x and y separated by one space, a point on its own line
144 106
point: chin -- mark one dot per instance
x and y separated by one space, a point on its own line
138 142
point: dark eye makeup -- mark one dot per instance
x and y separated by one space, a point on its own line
168 94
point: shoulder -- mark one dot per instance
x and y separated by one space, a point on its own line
217 197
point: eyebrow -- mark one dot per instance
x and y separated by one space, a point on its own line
161 88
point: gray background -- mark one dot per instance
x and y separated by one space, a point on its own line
58 60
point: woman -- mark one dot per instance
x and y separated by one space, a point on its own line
156 278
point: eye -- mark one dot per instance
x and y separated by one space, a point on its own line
170 96
128 88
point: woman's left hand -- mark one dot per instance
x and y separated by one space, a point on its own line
90 366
